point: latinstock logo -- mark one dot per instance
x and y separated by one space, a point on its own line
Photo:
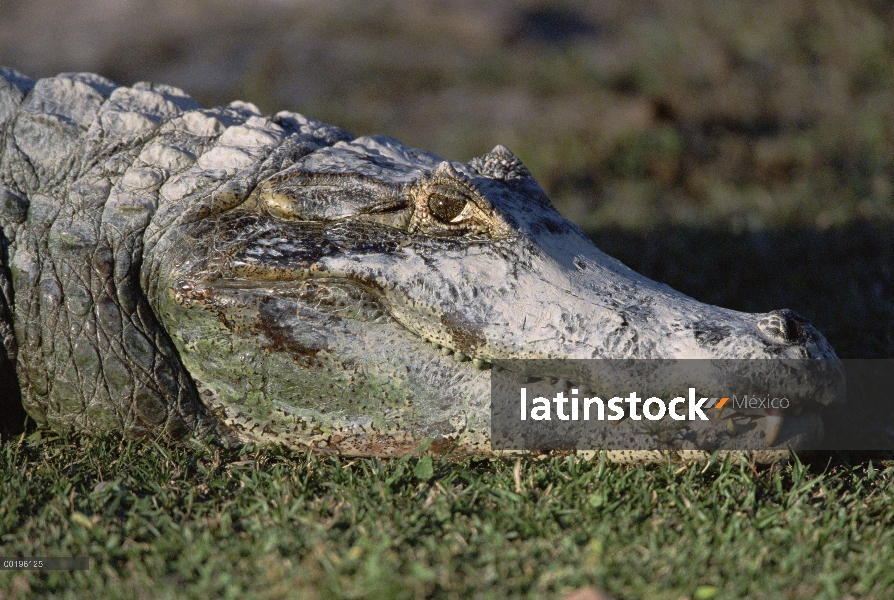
575 408
688 404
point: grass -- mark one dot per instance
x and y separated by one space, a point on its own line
200 522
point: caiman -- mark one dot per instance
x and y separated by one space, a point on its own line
169 270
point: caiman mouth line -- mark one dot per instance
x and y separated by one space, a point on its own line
773 419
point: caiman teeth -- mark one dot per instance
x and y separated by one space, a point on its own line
731 428
772 427
479 363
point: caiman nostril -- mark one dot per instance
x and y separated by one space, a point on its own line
784 326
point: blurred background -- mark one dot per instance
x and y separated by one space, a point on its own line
740 151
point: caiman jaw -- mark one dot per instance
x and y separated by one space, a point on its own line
773 420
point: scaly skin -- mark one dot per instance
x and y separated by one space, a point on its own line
173 270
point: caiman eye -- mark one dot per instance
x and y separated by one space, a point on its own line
446 205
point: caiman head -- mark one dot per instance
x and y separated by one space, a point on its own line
354 300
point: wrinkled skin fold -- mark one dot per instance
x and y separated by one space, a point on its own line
174 270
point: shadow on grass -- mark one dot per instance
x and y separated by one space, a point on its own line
842 279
